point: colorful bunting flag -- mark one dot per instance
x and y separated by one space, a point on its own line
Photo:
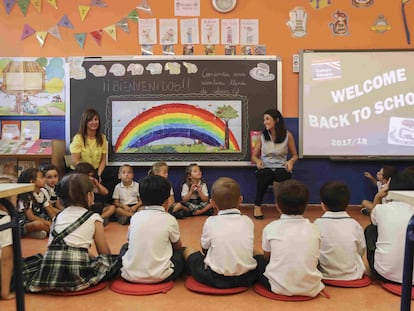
111 31
133 16
54 31
52 3
8 5
99 3
23 5
80 39
37 4
65 22
83 11
144 6
27 31
97 35
123 24
41 37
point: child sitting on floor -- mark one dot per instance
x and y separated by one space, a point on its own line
227 242
343 241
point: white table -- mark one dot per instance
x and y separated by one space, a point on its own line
406 196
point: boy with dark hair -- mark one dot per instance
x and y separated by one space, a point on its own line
154 251
343 242
227 242
385 237
291 246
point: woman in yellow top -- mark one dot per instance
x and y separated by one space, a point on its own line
90 144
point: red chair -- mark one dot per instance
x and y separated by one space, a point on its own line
362 282
261 290
123 287
195 286
85 291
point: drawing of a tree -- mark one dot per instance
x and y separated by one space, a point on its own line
226 113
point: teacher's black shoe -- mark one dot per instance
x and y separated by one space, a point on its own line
258 214
260 217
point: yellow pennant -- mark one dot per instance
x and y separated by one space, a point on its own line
83 11
41 37
111 31
52 3
37 5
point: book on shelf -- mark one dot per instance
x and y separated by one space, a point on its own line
30 130
10 129
9 146
8 170
23 165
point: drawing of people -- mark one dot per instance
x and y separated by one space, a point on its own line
209 34
249 34
189 35
229 34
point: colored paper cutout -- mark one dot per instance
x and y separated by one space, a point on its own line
99 3
37 4
83 11
8 5
144 6
27 31
65 22
133 16
23 5
80 39
97 35
54 31
123 24
111 31
52 3
41 37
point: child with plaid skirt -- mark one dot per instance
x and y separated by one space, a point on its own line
67 265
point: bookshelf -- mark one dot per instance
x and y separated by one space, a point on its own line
36 152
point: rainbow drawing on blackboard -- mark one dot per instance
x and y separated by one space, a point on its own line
181 128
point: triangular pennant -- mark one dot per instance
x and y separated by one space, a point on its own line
80 39
65 22
27 31
133 16
52 3
97 35
83 11
23 5
99 3
37 4
111 31
41 37
123 24
54 31
144 6
8 5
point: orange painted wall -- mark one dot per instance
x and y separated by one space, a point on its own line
272 15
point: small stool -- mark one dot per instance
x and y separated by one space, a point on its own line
89 290
396 289
123 287
362 282
261 290
195 286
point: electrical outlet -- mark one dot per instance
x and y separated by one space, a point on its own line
295 62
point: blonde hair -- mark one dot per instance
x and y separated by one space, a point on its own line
125 166
226 193
156 167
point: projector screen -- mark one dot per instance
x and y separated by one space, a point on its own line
357 104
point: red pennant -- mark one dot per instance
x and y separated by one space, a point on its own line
97 35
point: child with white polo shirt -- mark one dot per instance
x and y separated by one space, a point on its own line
291 246
154 252
126 195
343 241
227 242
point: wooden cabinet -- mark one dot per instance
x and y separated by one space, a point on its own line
38 152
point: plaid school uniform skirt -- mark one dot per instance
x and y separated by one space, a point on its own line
65 269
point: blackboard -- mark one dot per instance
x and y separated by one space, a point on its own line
131 93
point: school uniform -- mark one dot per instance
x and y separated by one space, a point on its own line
342 246
150 257
127 195
66 265
229 262
293 242
51 191
5 235
37 202
194 203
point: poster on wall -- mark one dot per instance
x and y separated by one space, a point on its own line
32 86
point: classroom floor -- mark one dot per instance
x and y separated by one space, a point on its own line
372 297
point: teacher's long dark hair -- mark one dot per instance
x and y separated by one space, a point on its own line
87 116
279 126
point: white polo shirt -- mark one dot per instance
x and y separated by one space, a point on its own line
127 195
392 219
5 235
150 235
229 238
293 242
342 246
